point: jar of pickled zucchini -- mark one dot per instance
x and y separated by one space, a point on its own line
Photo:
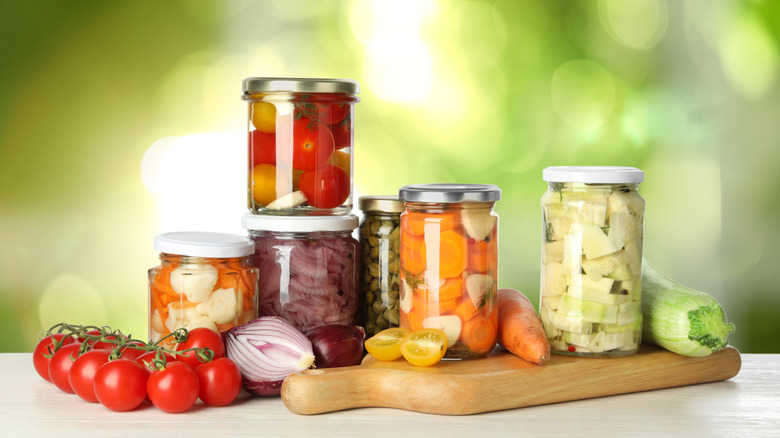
204 280
592 260
308 266
300 140
380 234
449 264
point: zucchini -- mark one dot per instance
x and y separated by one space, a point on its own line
681 319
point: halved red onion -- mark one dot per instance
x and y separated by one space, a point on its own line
266 350
337 345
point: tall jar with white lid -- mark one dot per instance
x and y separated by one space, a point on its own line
204 280
300 145
308 266
591 273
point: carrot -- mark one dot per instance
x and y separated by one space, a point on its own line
452 247
413 253
481 258
519 327
451 289
437 222
479 334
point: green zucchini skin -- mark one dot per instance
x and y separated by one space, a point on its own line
681 319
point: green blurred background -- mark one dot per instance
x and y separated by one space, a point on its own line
121 120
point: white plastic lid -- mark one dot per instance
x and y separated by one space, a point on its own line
204 244
299 224
594 174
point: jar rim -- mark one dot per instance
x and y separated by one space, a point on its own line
203 244
301 85
450 193
594 174
301 224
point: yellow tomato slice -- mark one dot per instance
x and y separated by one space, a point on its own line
424 347
386 345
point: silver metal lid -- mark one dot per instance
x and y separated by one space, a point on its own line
446 192
301 85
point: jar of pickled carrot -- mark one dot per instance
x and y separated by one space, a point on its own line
309 267
300 143
449 264
204 280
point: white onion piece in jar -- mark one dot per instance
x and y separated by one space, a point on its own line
266 350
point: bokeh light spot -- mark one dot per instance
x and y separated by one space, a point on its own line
583 94
638 24
749 57
69 298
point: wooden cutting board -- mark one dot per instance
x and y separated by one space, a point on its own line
497 382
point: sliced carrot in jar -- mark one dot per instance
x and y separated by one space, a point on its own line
479 334
452 289
413 254
452 260
415 222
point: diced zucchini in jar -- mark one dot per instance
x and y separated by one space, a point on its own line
568 323
572 254
552 280
631 200
606 266
589 311
595 243
553 252
590 206
622 227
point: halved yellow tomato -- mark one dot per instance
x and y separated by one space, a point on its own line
424 347
386 345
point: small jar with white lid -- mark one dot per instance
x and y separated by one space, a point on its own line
591 273
204 280
308 266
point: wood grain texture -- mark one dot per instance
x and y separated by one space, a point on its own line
499 382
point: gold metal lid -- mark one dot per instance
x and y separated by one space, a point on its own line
386 204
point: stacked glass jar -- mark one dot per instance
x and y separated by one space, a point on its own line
299 194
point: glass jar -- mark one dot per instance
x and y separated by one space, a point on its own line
449 264
300 144
591 275
309 267
380 234
204 280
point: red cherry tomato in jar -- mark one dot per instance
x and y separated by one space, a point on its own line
342 134
120 385
44 351
220 382
328 109
313 144
173 389
262 148
325 187
200 337
60 365
82 373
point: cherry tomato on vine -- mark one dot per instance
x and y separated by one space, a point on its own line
220 382
146 360
82 373
91 336
173 389
128 352
313 144
325 187
60 365
262 148
120 385
200 337
46 347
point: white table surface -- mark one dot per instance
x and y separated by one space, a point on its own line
746 406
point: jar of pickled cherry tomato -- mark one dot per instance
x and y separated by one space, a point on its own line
204 280
308 266
300 140
449 264
592 260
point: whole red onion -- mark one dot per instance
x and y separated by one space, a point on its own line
337 345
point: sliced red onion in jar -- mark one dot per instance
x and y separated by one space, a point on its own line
266 350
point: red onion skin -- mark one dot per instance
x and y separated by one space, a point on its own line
337 345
